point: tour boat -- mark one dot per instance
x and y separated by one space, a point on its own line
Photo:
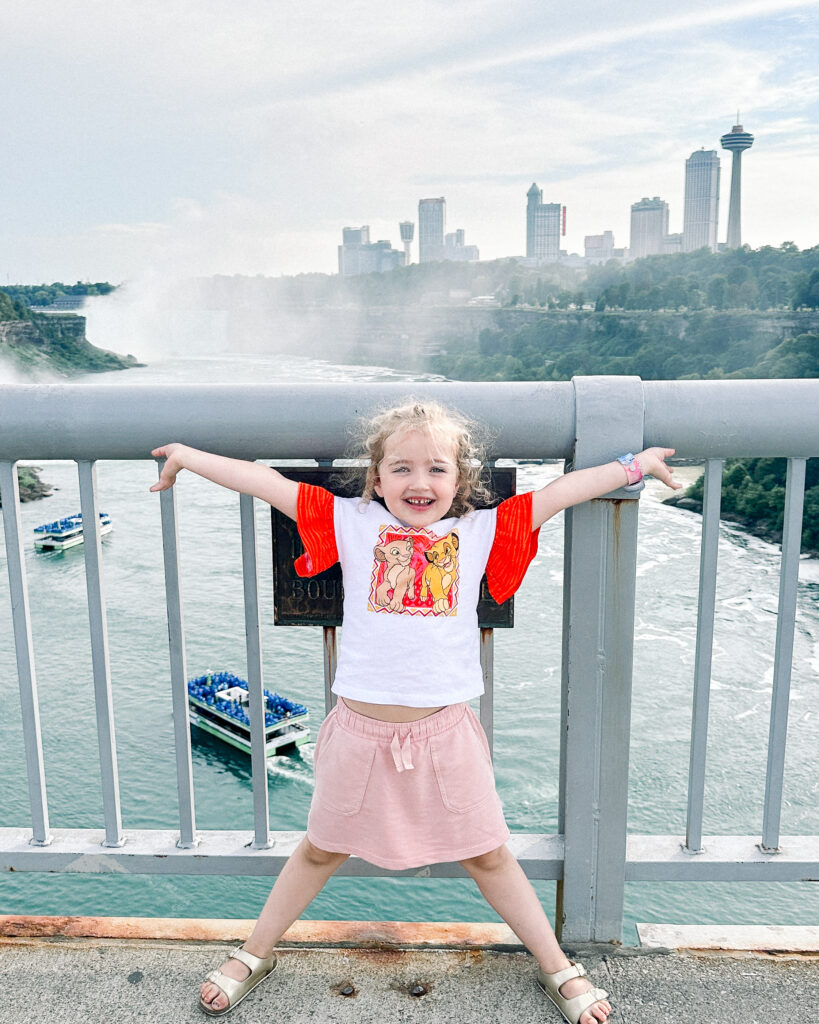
219 703
66 533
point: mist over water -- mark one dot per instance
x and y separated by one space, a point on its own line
159 317
142 318
527 705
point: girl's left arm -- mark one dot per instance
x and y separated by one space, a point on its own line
585 484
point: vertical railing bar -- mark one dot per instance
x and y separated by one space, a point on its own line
564 706
179 680
255 687
709 550
783 656
330 661
488 696
24 650
100 661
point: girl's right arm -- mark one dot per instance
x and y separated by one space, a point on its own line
247 477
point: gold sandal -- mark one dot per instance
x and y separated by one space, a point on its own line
260 968
573 1008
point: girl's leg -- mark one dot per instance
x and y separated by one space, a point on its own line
509 892
301 879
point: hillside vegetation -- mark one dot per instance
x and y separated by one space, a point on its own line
753 494
37 344
752 279
46 294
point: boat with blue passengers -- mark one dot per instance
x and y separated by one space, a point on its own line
66 533
219 703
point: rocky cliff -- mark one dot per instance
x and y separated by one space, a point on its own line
55 345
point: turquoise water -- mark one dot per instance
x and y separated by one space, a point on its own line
527 668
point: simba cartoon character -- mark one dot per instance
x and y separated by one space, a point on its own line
439 574
399 575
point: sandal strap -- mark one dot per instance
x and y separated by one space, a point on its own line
230 986
250 960
559 977
574 1007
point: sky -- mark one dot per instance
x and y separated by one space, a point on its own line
173 137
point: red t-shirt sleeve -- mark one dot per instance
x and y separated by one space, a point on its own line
514 547
314 521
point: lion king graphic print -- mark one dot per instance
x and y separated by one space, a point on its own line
414 572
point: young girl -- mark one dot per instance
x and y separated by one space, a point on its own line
403 776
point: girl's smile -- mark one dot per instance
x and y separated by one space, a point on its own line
417 478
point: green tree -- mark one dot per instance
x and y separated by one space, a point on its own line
715 292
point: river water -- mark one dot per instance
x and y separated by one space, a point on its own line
527 681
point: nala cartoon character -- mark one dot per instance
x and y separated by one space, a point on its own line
439 574
399 575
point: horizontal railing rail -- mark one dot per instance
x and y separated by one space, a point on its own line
528 420
587 421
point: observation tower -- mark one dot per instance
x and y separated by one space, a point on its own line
407 229
737 141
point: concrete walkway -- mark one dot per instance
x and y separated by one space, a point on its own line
91 979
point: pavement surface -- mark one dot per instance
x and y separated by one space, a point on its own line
89 980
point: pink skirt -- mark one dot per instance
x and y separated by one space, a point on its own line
403 795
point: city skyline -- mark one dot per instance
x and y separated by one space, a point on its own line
546 222
155 142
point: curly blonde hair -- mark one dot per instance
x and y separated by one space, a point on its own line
446 427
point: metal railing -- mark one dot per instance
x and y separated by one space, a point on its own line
587 421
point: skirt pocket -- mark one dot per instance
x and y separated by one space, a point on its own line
463 767
342 766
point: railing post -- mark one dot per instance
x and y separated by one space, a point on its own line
706 606
255 681
103 697
783 655
488 699
598 625
179 672
27 677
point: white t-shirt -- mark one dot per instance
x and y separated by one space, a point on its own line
410 628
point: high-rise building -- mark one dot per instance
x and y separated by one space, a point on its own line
737 141
431 223
455 247
649 226
543 226
358 255
407 229
599 247
701 213
356 236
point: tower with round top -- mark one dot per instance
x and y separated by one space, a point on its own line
737 140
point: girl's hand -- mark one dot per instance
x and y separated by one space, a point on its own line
652 463
173 463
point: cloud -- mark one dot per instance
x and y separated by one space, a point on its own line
706 16
211 137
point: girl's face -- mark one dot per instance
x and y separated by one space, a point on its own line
417 478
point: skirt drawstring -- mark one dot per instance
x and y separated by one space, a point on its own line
401 755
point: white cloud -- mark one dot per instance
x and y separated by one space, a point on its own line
214 138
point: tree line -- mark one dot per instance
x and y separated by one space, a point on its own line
654 346
46 294
745 278
753 494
